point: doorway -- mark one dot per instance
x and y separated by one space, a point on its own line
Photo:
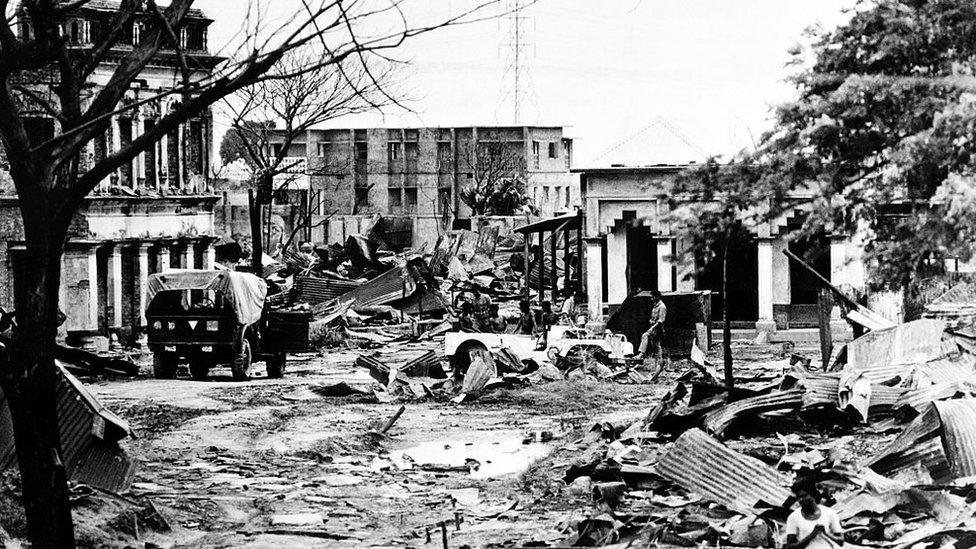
743 269
641 260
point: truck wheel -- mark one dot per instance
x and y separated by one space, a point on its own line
275 365
461 358
241 365
199 370
164 367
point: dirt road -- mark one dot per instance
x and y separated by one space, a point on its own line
271 463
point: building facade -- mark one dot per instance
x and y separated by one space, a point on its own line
356 176
629 245
149 216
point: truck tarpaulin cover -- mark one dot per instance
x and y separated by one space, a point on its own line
244 291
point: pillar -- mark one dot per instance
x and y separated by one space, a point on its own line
838 260
594 277
181 157
139 162
162 159
92 290
116 266
210 257
163 259
187 262
143 285
665 274
765 286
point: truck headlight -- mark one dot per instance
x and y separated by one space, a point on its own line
157 325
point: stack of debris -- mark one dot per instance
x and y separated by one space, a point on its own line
672 481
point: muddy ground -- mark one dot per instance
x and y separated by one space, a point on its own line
271 463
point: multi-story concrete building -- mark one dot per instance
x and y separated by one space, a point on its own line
419 174
152 215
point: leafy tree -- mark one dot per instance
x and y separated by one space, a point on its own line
880 135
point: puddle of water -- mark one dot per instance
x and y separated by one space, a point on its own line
498 453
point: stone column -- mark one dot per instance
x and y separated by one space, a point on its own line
92 290
180 156
139 162
765 286
162 158
187 262
210 257
594 277
665 274
116 276
163 259
143 284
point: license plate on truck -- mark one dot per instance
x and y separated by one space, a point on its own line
170 348
206 349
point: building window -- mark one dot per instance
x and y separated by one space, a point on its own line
443 200
361 152
395 150
362 200
568 190
535 154
410 199
553 153
394 200
568 148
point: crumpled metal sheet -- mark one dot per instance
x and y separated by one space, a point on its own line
942 439
918 399
959 435
89 438
822 390
886 354
717 421
705 466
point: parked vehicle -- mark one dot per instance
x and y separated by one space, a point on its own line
559 342
206 318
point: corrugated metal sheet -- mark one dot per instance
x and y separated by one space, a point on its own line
920 442
89 438
383 289
919 399
313 290
705 466
884 354
959 435
717 421
947 369
821 390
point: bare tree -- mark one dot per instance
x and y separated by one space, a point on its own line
272 115
499 178
41 70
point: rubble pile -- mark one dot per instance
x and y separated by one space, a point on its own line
709 465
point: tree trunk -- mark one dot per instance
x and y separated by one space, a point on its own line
257 249
29 384
726 323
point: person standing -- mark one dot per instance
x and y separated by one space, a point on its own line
482 309
812 526
652 338
526 324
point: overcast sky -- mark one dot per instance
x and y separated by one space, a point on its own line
623 76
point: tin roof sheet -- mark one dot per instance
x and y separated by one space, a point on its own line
703 465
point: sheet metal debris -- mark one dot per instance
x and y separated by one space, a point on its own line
705 466
90 436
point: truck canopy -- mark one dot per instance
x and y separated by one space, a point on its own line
244 291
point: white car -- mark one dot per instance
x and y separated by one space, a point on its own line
561 342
